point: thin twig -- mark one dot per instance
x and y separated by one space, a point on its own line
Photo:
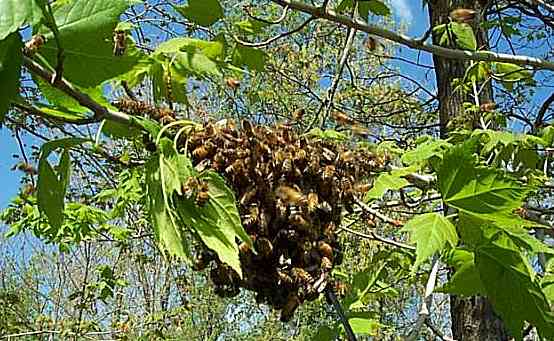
338 308
269 22
377 30
273 39
374 236
426 302
376 213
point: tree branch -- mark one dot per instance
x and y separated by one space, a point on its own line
426 304
542 111
100 112
360 25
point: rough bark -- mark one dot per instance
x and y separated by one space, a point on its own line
472 318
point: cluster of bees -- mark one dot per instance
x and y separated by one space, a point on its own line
291 192
135 107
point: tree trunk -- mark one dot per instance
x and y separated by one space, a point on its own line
472 318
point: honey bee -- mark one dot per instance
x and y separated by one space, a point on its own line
26 168
362 188
293 301
298 114
119 44
325 249
248 196
462 15
190 187
287 164
34 44
247 128
326 264
312 201
328 172
371 43
27 190
242 153
284 279
346 156
232 83
236 167
289 195
300 155
253 215
244 248
342 118
201 152
360 131
301 276
329 230
298 220
263 222
340 288
264 247
328 154
281 208
488 106
203 194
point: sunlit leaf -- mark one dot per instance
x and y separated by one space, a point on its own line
202 12
431 232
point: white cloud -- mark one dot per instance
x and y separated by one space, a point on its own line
403 10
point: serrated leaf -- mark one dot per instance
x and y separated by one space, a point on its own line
16 13
431 232
86 33
464 36
202 12
476 189
10 68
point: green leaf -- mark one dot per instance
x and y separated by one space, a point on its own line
10 67
50 194
250 57
251 26
211 49
376 7
477 190
464 36
511 72
86 33
425 151
16 13
64 169
364 326
167 231
224 202
431 232
61 114
466 281
520 297
202 12
386 182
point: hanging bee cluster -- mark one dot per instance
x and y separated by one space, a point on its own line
291 191
141 108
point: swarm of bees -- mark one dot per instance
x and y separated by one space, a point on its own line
291 192
141 108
